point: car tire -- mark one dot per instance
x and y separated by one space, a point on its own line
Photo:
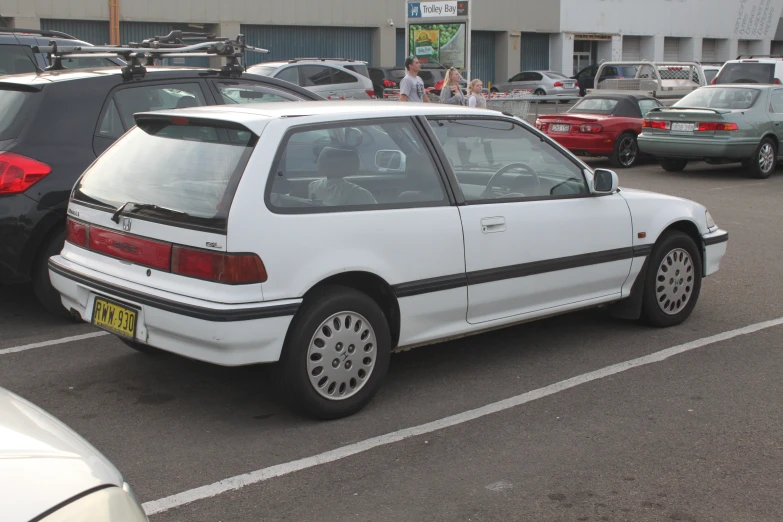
764 161
139 347
626 151
673 165
673 280
46 294
335 326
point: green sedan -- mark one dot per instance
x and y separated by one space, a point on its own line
718 124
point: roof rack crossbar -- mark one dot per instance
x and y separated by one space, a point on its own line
173 45
748 56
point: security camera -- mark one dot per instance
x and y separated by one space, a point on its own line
390 22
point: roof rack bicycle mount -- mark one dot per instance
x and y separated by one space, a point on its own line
176 44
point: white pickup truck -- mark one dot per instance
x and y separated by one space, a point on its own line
662 80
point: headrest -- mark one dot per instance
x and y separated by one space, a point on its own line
187 101
338 163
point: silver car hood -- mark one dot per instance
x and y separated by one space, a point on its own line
43 462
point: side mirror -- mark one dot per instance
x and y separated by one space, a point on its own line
390 161
605 181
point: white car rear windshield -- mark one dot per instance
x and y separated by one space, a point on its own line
184 172
720 98
747 72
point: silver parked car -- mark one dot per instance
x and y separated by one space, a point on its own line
48 473
328 77
541 83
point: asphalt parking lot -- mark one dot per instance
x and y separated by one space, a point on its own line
536 422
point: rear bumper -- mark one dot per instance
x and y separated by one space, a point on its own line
595 144
228 335
696 148
715 244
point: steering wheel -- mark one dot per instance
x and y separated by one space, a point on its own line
506 168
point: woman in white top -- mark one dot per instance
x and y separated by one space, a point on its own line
476 98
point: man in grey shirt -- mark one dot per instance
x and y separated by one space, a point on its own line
412 87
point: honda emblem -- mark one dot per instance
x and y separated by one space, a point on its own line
126 224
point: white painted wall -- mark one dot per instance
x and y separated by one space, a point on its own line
748 19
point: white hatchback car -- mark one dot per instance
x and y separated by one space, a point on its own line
327 235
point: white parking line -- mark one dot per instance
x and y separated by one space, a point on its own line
239 481
44 344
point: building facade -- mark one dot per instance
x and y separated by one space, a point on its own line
507 36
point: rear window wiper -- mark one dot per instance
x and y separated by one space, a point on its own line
135 207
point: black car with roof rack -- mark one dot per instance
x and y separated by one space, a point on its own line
55 122
17 55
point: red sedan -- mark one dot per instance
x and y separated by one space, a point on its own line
601 125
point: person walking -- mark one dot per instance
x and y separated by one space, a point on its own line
451 93
476 99
412 87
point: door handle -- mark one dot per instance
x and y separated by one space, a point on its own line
491 225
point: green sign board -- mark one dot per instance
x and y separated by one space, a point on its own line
439 44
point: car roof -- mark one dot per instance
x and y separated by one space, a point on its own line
618 96
255 116
333 61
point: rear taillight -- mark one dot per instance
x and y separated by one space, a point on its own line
656 124
715 126
714 81
389 83
777 82
76 233
147 252
540 125
217 266
370 93
18 173
558 84
590 128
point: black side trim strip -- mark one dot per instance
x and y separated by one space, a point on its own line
717 239
436 284
198 312
548 265
642 250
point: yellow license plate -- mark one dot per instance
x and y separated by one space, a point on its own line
115 318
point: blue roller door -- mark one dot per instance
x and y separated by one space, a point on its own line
535 52
286 42
482 56
94 32
400 48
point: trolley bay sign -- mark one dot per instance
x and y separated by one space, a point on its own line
437 9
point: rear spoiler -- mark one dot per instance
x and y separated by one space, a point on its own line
185 120
716 111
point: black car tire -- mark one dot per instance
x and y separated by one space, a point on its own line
618 159
673 165
46 294
294 377
665 248
753 165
